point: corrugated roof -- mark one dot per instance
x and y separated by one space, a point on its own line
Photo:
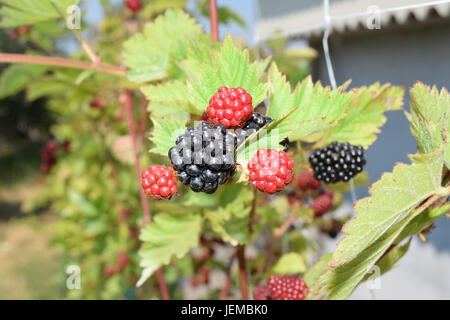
350 15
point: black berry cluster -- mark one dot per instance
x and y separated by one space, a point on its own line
252 126
337 162
204 156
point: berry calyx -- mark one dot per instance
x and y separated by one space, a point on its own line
287 288
321 205
270 170
337 162
306 181
159 182
134 5
261 292
230 107
204 157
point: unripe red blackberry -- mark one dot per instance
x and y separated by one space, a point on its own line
110 271
159 182
97 103
48 156
230 107
337 162
134 5
270 170
306 181
261 292
204 157
253 125
122 261
321 205
287 288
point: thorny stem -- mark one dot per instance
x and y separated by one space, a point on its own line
240 253
214 20
128 103
61 62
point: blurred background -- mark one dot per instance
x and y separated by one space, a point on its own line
401 47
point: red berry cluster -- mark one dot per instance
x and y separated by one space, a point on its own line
134 5
230 107
322 204
281 288
201 276
48 154
306 181
97 103
159 182
309 186
122 261
270 170
18 32
261 292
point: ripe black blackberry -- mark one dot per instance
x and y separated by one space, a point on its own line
252 126
204 157
337 162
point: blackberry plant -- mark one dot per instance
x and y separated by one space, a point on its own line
182 77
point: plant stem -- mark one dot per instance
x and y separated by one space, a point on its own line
214 20
128 102
252 212
61 62
226 285
279 232
240 253
86 47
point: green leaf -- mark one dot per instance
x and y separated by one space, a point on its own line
388 261
291 263
313 274
230 219
316 108
165 133
15 13
231 68
392 199
16 77
172 93
365 115
147 54
339 282
46 86
166 237
423 221
430 118
160 111
268 137
381 219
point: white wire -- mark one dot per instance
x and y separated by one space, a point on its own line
326 14
352 15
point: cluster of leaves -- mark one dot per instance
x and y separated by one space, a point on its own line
309 113
177 69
